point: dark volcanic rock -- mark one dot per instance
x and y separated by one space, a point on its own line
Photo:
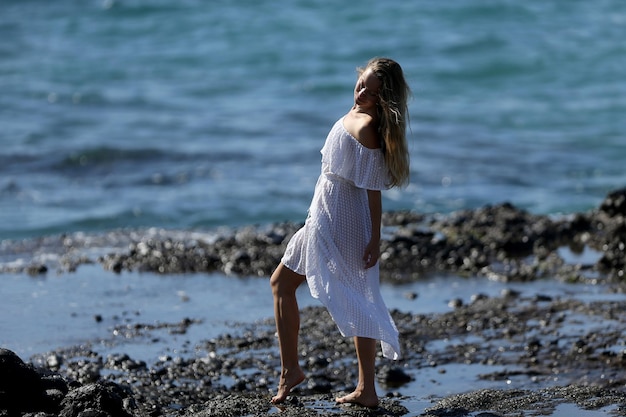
21 388
609 225
249 251
98 400
615 203
498 241
24 389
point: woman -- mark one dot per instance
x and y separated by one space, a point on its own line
337 249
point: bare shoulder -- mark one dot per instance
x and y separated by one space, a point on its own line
364 128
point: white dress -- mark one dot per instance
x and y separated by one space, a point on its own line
329 248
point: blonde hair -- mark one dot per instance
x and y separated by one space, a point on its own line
393 117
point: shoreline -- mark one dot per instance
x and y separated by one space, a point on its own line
525 353
500 242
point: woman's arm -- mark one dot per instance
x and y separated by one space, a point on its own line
372 250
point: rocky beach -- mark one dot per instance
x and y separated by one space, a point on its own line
536 354
156 157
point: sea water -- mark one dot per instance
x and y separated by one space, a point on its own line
195 115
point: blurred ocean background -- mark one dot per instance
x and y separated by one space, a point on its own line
197 114
191 115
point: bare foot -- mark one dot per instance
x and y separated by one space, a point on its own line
359 398
288 381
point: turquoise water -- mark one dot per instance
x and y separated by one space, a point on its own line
194 114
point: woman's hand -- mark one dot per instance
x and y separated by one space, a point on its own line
372 253
372 250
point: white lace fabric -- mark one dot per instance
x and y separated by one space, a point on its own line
329 248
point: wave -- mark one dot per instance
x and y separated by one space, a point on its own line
99 158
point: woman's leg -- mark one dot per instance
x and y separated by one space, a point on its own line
284 284
365 392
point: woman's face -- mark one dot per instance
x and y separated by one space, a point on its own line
366 89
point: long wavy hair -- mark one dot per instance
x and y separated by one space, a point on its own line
393 114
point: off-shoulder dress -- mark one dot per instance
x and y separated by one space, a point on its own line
329 248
